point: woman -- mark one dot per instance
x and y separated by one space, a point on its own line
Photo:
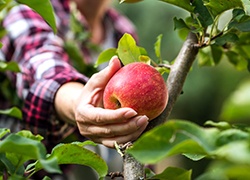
58 100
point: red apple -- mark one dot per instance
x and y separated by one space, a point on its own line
138 86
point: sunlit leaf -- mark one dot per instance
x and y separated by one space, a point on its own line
75 153
127 50
14 112
157 46
173 137
9 66
105 56
44 8
3 132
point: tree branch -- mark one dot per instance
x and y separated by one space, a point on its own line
177 76
133 170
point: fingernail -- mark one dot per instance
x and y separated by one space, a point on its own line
142 121
130 114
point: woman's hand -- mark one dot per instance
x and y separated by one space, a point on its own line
84 106
103 125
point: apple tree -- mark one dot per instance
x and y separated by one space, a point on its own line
209 44
225 143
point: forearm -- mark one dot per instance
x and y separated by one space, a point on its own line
65 101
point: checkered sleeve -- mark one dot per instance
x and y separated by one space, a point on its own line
45 67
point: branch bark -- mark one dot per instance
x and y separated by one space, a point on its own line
133 170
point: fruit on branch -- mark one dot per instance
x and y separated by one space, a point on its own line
139 86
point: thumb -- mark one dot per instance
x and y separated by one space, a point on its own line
102 78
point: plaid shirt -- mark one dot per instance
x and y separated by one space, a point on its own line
44 64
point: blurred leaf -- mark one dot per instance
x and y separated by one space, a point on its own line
236 106
105 56
14 112
3 132
162 70
219 6
9 66
216 52
24 149
224 170
180 24
242 24
157 46
202 13
173 173
127 50
246 5
220 125
75 153
173 137
145 59
45 9
205 57
185 4
226 38
30 135
77 59
237 60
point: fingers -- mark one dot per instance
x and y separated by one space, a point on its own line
101 78
99 116
121 133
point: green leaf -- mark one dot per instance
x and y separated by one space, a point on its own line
216 52
219 6
105 56
202 13
3 132
185 4
145 59
30 148
28 134
173 173
157 46
74 153
9 66
226 38
180 24
44 8
19 150
14 112
237 60
205 57
127 50
236 106
7 163
173 137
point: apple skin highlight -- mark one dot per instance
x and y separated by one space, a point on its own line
138 86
